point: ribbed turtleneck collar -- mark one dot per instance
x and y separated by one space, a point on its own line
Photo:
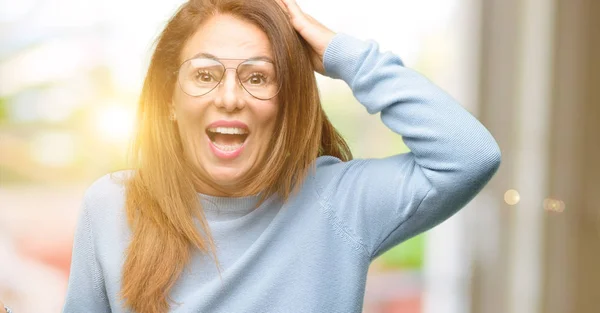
229 206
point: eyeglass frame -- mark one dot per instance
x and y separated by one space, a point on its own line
212 57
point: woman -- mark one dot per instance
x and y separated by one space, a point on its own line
244 197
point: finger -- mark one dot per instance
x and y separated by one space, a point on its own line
311 19
298 18
293 8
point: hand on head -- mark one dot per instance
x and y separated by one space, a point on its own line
315 33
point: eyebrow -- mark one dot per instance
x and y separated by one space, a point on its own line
210 56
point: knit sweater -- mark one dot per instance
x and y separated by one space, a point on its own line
312 252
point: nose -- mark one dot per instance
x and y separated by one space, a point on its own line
229 93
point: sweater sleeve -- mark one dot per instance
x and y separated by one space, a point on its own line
85 291
379 203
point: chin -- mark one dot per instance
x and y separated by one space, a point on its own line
225 176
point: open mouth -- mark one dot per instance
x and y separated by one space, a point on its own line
227 139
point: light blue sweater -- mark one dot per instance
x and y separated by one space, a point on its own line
312 253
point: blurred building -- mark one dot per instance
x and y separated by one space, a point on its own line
539 95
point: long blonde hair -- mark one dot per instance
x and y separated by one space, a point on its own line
162 202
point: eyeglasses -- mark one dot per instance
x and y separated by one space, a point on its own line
199 76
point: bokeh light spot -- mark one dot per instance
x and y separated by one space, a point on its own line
53 149
115 123
512 197
554 205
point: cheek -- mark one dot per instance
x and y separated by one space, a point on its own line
188 109
267 115
189 114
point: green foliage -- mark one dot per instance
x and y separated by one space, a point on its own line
3 110
407 255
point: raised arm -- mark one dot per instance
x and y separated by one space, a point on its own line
383 202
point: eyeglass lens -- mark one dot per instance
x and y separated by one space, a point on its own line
200 76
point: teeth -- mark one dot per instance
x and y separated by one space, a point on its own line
227 147
228 130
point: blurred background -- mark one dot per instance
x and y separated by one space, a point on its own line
71 72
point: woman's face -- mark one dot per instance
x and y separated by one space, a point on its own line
226 132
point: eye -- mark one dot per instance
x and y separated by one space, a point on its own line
257 79
204 77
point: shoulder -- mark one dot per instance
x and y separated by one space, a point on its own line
332 173
329 166
329 169
106 193
108 186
